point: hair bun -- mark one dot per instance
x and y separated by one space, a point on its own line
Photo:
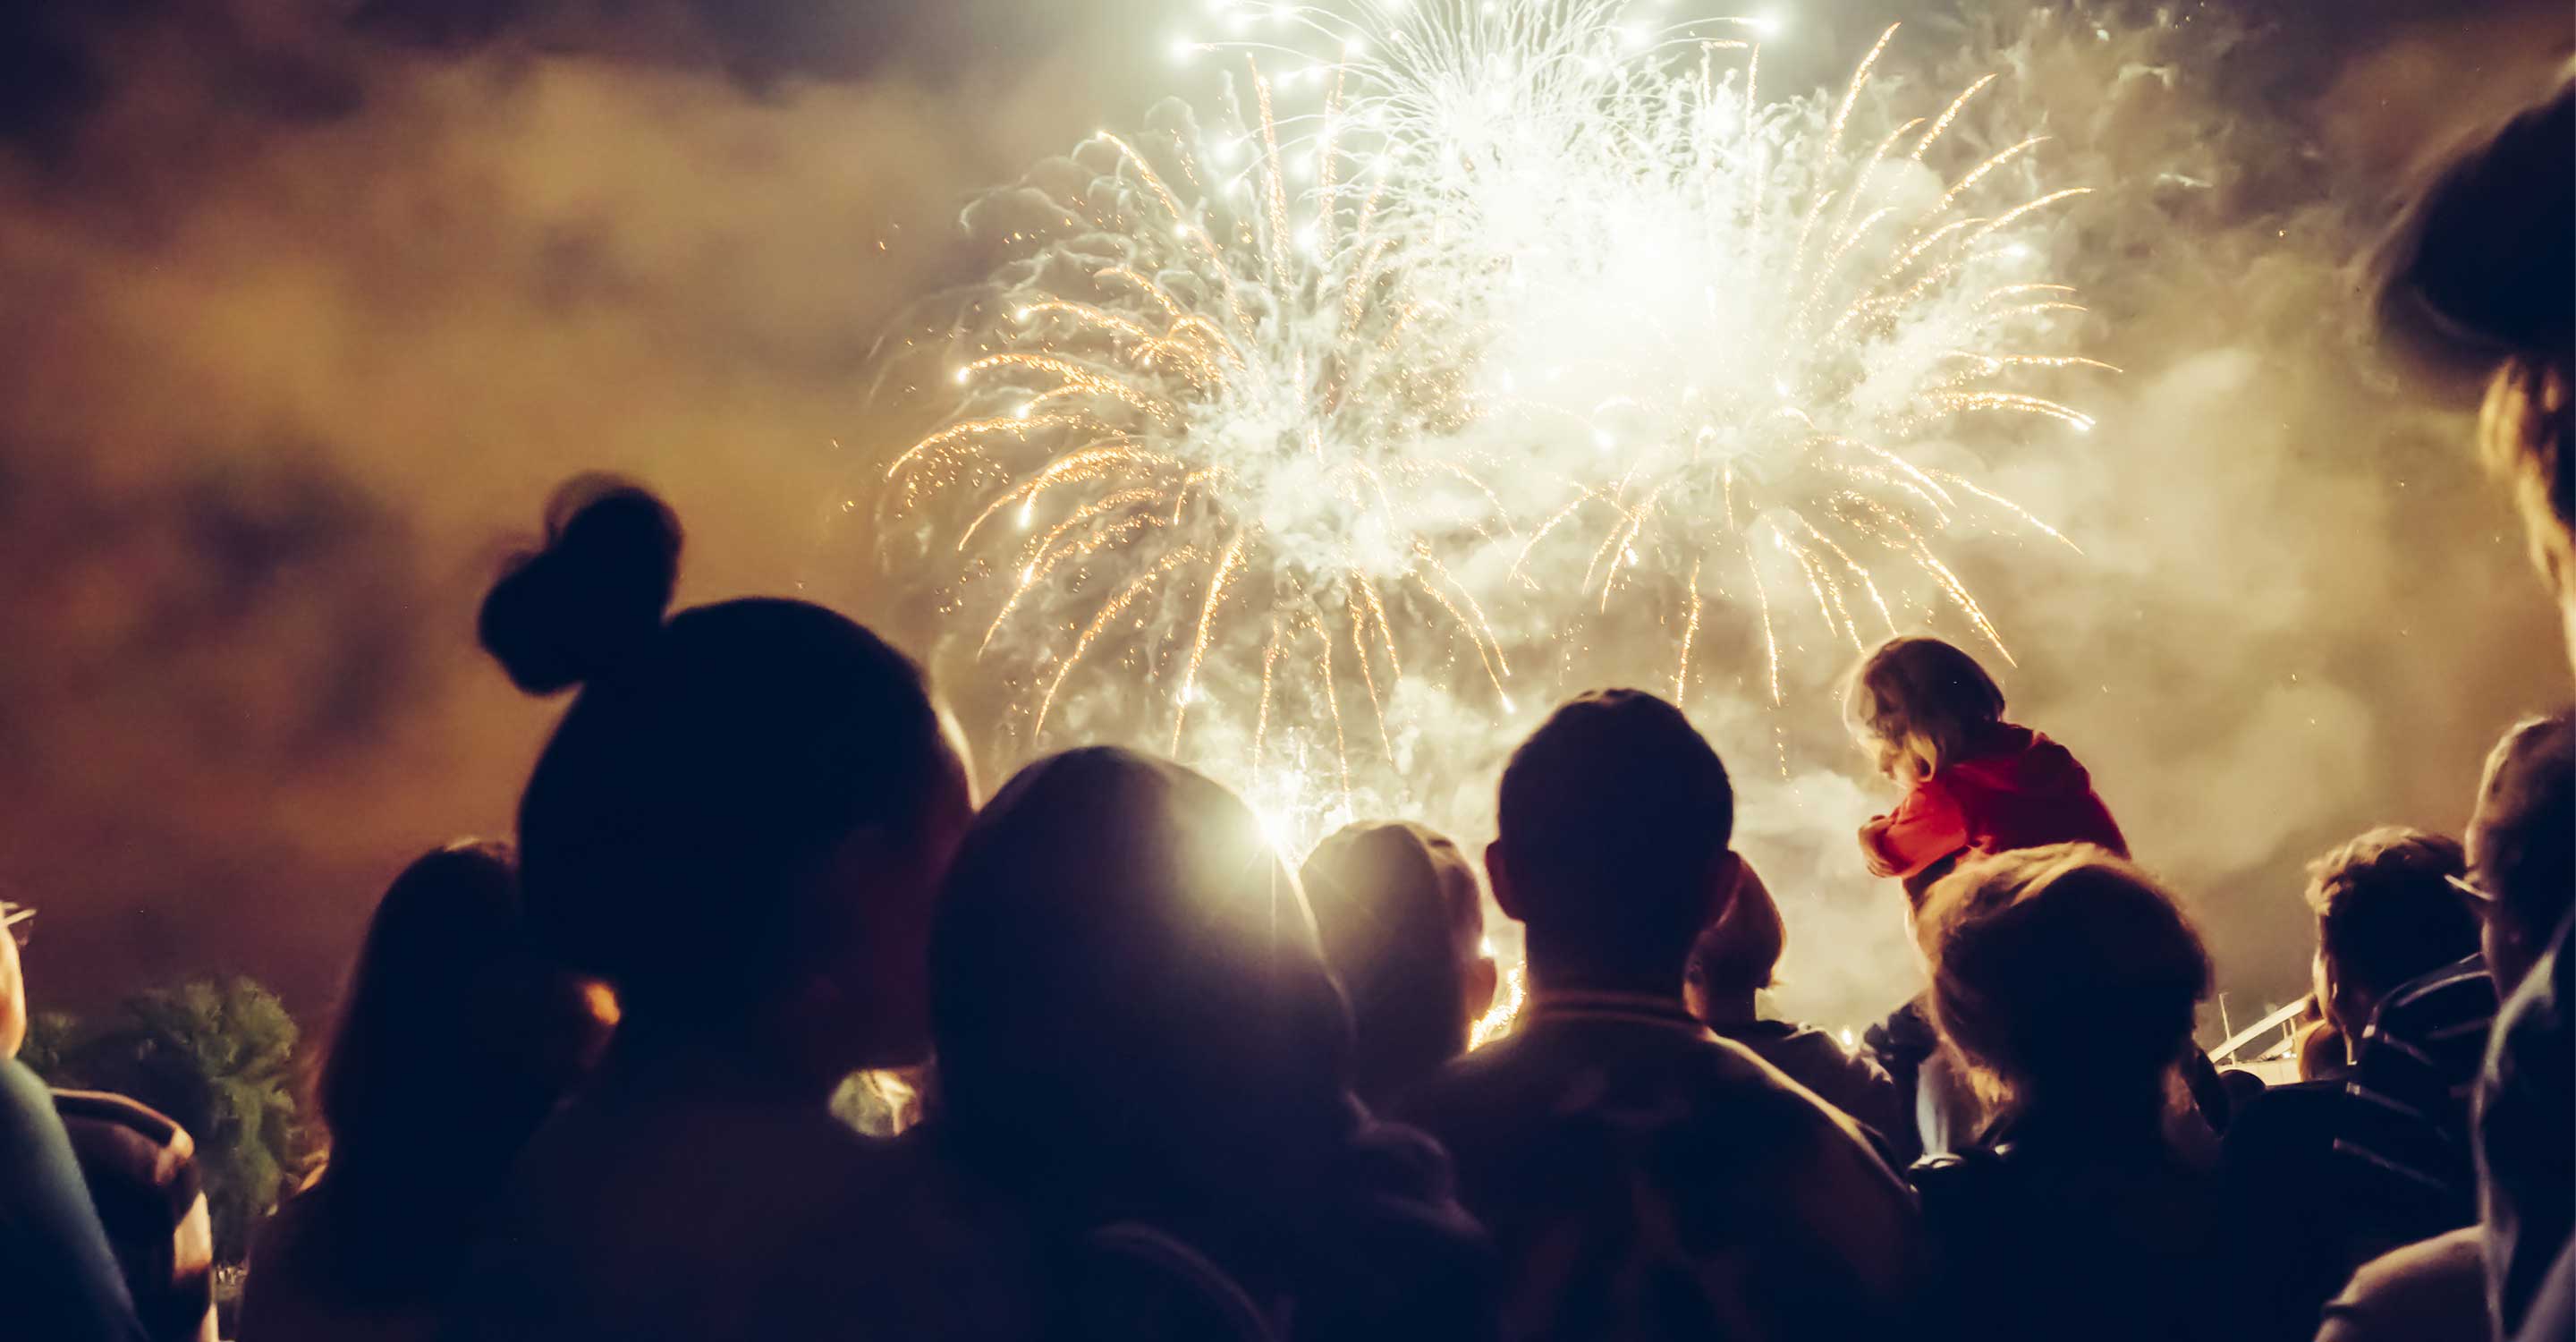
594 595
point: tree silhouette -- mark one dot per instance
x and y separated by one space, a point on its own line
218 1057
50 1036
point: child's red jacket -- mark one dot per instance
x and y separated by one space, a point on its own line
2015 789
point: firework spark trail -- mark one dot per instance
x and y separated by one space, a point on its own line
1222 408
1259 378
1764 306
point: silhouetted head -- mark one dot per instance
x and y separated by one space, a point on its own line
2323 1051
2522 844
2065 975
1917 703
1403 925
741 820
1126 988
1614 821
456 1036
2477 275
1738 956
2241 1086
2386 913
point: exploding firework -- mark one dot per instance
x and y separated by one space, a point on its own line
1751 342
1213 424
1272 410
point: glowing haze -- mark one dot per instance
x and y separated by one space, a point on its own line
1448 337
308 322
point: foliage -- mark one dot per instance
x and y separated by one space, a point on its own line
49 1035
218 1057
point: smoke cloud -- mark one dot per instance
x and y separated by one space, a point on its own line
306 314
303 322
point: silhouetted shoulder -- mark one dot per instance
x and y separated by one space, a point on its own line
1671 1077
1746 1082
1946 1180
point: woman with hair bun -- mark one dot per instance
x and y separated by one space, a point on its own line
740 825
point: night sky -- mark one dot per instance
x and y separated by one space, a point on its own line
305 309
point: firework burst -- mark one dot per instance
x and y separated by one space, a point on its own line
1274 405
1750 340
1212 424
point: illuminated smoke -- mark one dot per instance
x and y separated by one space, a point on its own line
1453 308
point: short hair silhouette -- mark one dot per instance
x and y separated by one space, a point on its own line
2386 911
2062 971
710 763
1120 950
1396 905
1612 817
1135 1025
1740 952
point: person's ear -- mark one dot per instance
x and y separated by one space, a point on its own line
13 997
1498 874
2321 983
1483 979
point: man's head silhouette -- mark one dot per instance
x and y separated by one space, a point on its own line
1615 819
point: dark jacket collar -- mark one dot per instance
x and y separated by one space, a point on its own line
1635 1008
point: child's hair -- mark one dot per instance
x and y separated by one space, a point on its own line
1920 697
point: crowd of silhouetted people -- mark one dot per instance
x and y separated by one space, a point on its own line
1158 1083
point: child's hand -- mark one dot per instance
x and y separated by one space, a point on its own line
1873 849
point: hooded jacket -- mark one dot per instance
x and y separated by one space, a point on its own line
2015 789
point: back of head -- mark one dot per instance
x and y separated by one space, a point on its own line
1739 954
1126 990
454 1036
1920 698
2476 275
1387 902
2522 839
2323 1052
2386 912
1614 816
711 770
2064 974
